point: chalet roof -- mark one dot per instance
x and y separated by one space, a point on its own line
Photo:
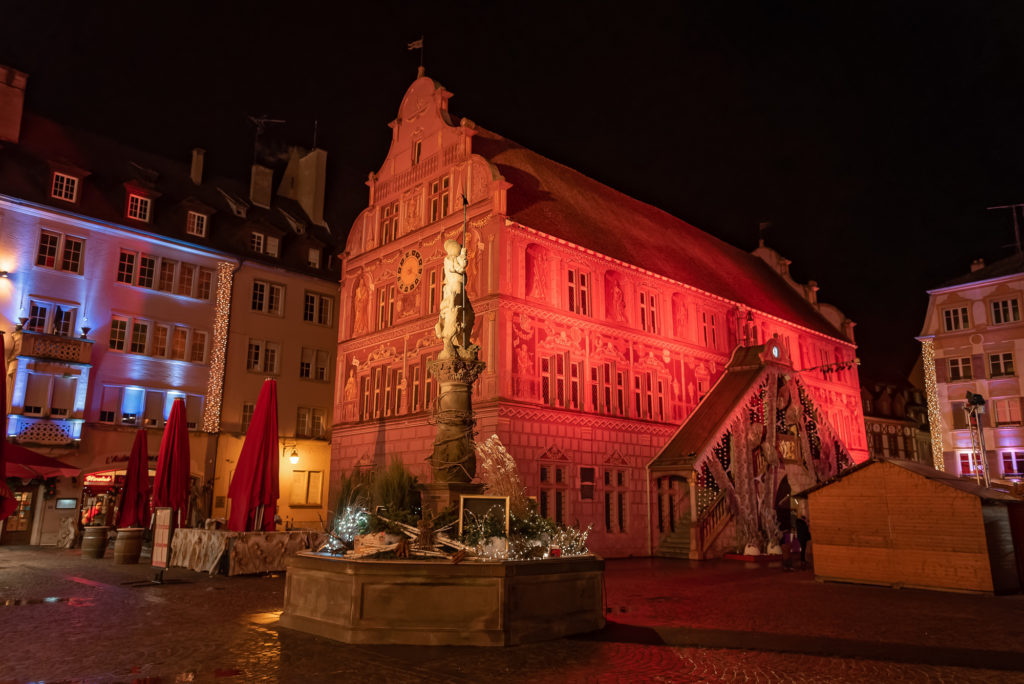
926 471
1004 267
45 145
564 203
714 413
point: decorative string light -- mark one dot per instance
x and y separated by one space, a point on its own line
931 390
218 355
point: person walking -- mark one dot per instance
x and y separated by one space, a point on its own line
803 536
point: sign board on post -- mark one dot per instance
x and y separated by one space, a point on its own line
478 506
162 534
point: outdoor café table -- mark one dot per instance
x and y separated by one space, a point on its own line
247 552
199 549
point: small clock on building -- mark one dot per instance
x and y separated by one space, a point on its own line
410 268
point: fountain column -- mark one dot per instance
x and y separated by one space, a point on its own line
453 460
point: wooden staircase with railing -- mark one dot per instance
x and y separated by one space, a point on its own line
709 525
694 540
676 544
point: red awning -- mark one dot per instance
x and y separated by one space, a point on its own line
28 464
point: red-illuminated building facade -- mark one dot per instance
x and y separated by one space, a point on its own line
130 280
603 321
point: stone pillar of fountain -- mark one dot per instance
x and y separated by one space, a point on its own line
453 461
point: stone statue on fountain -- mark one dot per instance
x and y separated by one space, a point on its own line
456 369
455 319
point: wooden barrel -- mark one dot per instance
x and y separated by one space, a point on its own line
94 541
128 545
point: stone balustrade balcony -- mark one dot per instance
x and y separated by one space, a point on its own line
56 347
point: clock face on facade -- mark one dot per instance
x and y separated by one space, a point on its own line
409 270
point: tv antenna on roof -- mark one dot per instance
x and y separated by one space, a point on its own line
1014 208
261 126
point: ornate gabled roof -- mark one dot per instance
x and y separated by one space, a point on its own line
748 370
564 203
712 417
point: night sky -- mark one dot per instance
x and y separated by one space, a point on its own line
871 136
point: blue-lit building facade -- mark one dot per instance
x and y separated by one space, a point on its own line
128 280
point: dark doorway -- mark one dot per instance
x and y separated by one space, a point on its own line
782 504
18 527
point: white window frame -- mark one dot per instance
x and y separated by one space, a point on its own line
195 223
146 327
65 180
314 257
194 338
1006 310
119 343
319 300
248 409
61 244
263 356
440 198
185 344
960 369
1001 365
1015 457
955 318
204 283
140 207
271 299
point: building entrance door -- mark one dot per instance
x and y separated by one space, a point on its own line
18 527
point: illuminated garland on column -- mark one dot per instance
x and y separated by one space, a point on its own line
218 356
931 390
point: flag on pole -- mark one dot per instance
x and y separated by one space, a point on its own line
416 44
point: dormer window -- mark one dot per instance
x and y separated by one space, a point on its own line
65 187
196 224
264 244
417 149
314 257
139 207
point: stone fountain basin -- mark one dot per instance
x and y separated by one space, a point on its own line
438 603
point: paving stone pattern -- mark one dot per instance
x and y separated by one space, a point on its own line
71 619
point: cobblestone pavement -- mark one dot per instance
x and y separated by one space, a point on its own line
70 619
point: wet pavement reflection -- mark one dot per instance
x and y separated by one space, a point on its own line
71 620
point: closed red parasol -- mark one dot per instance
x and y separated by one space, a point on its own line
172 483
7 502
254 488
134 508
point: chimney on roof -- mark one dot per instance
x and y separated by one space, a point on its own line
12 102
977 265
197 165
260 185
304 181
